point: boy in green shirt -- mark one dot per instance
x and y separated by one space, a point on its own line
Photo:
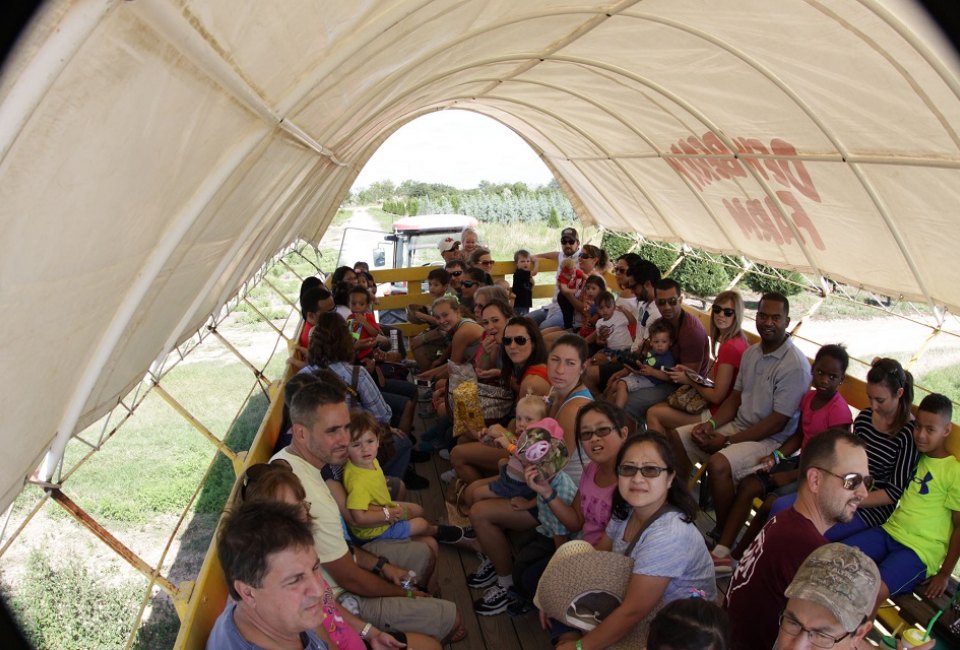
922 537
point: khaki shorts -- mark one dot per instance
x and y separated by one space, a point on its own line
408 554
742 456
431 616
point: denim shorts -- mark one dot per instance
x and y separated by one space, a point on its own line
506 487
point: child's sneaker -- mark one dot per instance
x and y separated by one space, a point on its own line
723 566
484 576
454 534
449 476
494 601
519 607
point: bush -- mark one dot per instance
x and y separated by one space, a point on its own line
616 244
766 284
67 608
702 277
553 221
662 256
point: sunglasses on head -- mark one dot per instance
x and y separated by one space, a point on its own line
646 471
667 301
456 274
852 480
566 241
256 472
468 283
600 432
716 309
510 340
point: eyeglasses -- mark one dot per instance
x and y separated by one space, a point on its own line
646 471
793 627
667 301
510 340
851 481
717 309
456 274
486 263
468 283
600 432
566 241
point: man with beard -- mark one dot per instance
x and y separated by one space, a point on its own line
834 479
551 316
364 581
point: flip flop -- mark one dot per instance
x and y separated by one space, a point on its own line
458 634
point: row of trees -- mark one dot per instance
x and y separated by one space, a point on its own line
503 203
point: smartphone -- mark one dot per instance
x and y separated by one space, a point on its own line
426 383
699 379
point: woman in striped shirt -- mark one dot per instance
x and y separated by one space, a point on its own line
887 429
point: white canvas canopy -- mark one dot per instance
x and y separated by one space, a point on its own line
154 153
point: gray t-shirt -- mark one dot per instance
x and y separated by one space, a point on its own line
226 636
669 548
771 382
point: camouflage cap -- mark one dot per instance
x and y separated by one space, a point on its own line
840 578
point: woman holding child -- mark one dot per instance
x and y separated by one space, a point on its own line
725 333
652 523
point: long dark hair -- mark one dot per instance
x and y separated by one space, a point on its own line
690 624
677 495
330 341
538 354
889 373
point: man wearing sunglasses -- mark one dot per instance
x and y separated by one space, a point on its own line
834 479
551 316
455 268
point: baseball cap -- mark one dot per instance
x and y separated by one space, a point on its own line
447 244
569 232
841 579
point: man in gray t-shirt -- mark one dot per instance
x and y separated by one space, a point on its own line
760 412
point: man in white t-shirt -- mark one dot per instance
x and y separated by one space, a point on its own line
551 316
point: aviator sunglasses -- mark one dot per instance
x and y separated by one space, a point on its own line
852 480
510 340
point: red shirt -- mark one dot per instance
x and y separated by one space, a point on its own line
755 599
305 334
361 334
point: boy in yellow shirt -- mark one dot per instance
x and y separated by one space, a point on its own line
921 539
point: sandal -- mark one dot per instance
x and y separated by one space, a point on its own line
458 634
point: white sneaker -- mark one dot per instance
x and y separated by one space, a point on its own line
444 454
449 476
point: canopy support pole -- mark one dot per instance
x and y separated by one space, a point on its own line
825 291
182 411
265 319
286 299
744 269
134 560
262 379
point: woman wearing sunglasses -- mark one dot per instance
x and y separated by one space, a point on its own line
652 522
725 333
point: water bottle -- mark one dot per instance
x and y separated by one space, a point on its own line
410 581
394 341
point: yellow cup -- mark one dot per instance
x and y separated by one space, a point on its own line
913 637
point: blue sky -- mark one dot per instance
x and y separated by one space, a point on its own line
458 148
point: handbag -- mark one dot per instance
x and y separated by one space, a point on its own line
687 399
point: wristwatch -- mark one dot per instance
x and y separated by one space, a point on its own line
378 567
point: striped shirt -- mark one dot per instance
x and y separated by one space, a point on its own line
892 461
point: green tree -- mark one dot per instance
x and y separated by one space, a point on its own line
553 221
702 277
791 285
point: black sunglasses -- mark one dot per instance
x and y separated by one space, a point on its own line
468 283
852 480
600 432
456 274
510 340
646 471
486 263
716 309
565 241
667 301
